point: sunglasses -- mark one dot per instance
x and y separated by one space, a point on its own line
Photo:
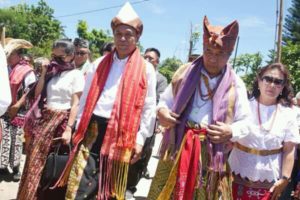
270 79
80 53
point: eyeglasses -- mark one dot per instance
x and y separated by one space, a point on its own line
80 53
269 79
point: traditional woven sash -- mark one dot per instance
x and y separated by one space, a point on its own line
122 127
187 166
16 77
263 152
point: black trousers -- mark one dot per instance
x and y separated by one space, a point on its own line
137 169
89 183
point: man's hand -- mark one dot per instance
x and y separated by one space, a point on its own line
66 136
219 132
278 188
137 152
167 118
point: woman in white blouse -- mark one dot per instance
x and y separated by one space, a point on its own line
263 156
59 89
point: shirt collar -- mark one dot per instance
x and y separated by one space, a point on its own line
116 59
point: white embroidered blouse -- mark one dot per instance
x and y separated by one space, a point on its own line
284 129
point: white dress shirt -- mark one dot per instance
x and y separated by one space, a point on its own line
5 97
106 101
284 129
61 88
202 110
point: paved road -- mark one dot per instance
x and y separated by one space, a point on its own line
9 188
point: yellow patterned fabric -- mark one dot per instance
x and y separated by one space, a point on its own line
80 161
163 182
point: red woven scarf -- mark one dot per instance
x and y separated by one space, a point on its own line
189 164
122 127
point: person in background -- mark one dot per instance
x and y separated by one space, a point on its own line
58 91
82 55
107 48
5 97
21 78
201 110
262 158
38 64
139 169
117 113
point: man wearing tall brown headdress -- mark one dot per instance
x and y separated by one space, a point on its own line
202 109
117 114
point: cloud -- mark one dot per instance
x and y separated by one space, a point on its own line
156 9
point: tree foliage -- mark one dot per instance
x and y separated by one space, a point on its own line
291 58
292 23
33 23
247 65
95 37
169 66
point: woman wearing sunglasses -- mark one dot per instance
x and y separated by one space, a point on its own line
263 155
59 89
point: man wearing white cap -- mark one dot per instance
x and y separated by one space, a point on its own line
116 115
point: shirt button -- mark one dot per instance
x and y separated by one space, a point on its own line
90 183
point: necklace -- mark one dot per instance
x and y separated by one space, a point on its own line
259 119
210 92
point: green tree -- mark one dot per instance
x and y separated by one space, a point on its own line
33 23
291 58
292 23
96 38
169 66
247 65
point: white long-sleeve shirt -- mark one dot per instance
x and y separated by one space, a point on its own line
202 110
106 101
5 97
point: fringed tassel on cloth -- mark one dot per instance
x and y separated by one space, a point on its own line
219 184
112 179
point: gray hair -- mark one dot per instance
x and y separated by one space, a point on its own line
66 44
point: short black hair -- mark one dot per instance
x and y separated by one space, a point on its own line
155 50
108 46
81 43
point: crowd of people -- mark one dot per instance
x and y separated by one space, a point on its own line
220 141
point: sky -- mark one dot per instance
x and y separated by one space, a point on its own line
167 23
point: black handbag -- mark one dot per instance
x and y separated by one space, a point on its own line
54 167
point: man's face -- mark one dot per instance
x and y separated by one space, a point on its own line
81 55
125 39
151 57
215 59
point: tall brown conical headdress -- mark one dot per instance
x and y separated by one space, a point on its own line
129 17
220 37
